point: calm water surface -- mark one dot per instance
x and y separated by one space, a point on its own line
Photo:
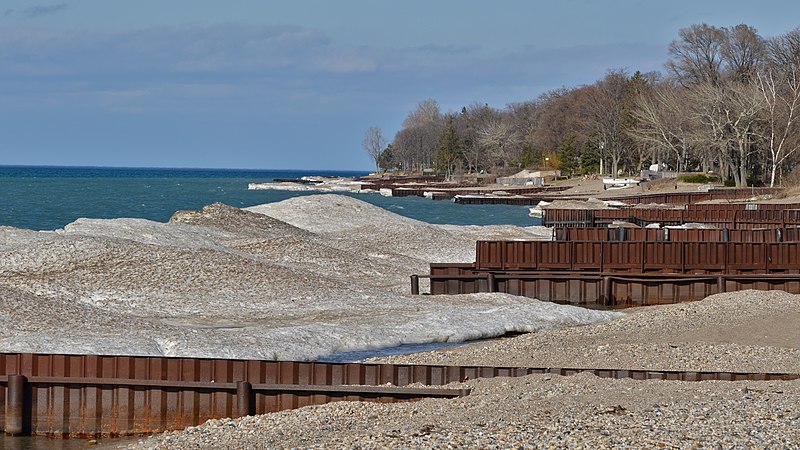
48 198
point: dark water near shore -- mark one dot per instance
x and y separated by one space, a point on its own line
48 198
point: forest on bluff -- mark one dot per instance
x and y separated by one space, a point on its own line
727 102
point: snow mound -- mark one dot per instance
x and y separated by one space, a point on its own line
300 279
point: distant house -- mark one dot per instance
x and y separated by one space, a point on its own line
530 177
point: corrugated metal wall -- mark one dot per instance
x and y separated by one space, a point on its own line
724 218
640 256
608 290
87 395
791 234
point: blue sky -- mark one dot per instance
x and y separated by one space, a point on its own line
294 84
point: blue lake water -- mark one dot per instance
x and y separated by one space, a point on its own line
48 198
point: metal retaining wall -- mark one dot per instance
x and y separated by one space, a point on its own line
640 257
741 206
87 395
733 219
672 198
686 198
622 234
452 191
603 289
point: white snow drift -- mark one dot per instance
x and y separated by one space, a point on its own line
297 279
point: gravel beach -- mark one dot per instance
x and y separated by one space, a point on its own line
296 280
319 274
744 331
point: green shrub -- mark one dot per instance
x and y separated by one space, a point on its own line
699 178
730 183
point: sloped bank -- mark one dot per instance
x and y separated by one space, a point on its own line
322 274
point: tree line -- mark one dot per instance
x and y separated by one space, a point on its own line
727 102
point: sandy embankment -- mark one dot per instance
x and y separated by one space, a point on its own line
319 274
328 269
746 331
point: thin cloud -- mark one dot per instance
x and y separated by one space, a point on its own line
446 49
37 11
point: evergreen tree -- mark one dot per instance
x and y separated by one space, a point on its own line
568 156
527 158
386 160
449 150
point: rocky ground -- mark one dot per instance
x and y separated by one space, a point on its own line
745 331
309 277
537 411
226 282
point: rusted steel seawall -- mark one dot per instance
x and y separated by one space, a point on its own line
88 395
622 234
602 289
640 257
723 218
620 274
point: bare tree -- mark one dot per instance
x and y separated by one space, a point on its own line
779 83
608 115
498 140
696 56
427 111
471 119
730 114
742 51
374 144
565 115
663 120
420 135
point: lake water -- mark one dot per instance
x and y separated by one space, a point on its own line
48 198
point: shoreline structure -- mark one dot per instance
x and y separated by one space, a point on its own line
211 254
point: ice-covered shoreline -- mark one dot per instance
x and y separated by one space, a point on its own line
299 279
312 184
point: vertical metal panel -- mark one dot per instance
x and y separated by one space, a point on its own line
783 257
747 257
623 256
587 256
663 257
556 256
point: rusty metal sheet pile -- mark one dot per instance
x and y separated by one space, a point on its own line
741 206
789 234
673 198
694 197
744 219
640 256
89 395
608 289
56 395
622 274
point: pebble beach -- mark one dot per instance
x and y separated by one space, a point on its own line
747 331
204 284
744 331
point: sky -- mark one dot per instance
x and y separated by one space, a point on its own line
295 84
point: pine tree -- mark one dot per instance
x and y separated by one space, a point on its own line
448 152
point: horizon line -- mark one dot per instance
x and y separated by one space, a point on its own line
58 166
